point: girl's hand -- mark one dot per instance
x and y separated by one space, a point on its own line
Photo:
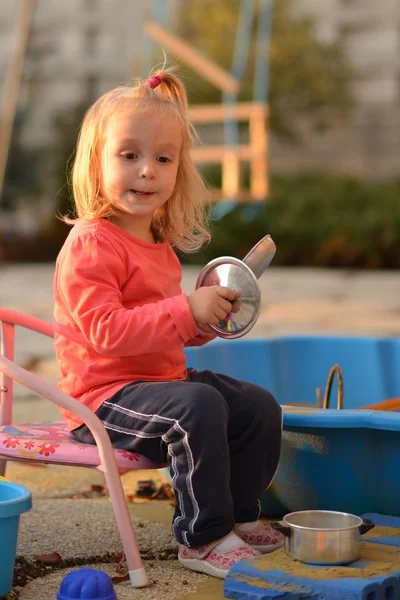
211 304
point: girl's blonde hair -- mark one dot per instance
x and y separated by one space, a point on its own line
182 220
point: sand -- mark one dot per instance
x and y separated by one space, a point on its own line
384 560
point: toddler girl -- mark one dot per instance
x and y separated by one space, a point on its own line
122 321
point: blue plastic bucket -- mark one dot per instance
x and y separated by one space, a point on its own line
14 500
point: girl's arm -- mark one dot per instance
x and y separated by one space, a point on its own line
88 284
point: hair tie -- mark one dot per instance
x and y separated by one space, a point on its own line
153 81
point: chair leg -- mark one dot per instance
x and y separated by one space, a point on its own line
137 572
7 336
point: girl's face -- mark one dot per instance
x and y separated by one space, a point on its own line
140 166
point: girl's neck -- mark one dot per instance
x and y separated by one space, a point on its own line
141 231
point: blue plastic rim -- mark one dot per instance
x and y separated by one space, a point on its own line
14 500
87 584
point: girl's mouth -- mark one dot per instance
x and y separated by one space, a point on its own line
137 193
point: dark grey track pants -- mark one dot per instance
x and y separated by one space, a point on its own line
220 436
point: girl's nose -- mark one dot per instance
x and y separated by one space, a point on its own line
147 171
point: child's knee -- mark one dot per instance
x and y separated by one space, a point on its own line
264 404
206 405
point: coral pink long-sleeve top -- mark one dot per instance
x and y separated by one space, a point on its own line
120 314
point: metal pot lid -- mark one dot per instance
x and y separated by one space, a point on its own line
233 273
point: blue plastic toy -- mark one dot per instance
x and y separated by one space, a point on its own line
87 584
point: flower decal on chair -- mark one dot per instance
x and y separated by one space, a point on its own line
47 449
131 456
11 442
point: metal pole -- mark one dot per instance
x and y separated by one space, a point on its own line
261 74
230 164
12 84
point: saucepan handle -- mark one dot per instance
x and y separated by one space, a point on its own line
367 525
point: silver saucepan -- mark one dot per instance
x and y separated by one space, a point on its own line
323 537
241 276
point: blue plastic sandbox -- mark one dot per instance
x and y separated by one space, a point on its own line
14 500
346 460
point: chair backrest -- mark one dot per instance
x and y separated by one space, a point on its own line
8 320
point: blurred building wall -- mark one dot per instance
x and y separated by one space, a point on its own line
369 144
80 48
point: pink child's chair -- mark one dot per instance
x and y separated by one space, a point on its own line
50 442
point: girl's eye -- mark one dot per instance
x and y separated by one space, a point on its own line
129 155
164 159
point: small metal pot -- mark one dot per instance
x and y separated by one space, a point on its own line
323 537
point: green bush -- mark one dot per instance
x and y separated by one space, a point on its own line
316 220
